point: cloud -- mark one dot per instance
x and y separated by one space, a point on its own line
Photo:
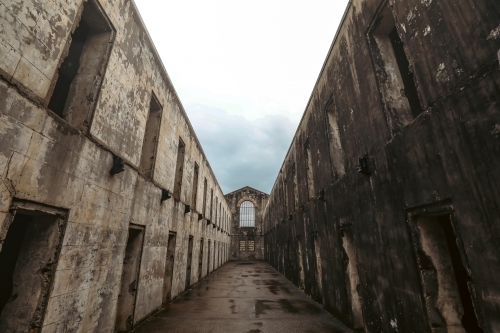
242 152
244 72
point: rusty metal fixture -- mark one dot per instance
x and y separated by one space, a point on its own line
165 195
118 165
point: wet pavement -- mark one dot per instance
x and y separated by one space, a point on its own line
248 297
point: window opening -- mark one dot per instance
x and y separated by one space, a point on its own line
284 185
151 135
189 262
352 278
247 214
211 203
394 72
179 168
216 206
169 268
243 246
410 89
80 75
251 246
336 152
130 279
205 198
295 194
309 169
29 254
444 276
195 184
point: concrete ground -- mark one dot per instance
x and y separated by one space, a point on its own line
242 297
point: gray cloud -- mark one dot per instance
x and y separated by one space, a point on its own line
242 152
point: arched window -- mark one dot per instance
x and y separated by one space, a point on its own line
247 214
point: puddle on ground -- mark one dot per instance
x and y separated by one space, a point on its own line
287 306
261 306
232 307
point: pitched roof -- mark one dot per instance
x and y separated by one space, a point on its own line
246 187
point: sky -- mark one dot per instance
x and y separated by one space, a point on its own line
244 72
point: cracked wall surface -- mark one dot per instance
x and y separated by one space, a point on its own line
44 159
447 155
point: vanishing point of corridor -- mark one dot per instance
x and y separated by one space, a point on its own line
243 296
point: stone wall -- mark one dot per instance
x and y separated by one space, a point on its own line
247 243
387 204
61 162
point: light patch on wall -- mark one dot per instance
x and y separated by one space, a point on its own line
394 324
496 129
427 30
426 2
494 34
442 74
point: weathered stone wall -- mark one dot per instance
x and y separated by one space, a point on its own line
245 234
353 240
45 159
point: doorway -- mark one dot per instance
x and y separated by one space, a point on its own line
169 268
30 243
208 259
130 279
445 279
189 262
200 260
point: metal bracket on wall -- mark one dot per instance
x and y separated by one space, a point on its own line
118 165
187 209
165 195
200 217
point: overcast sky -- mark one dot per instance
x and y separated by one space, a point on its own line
244 72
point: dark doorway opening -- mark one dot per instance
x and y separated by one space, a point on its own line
28 259
469 320
189 262
445 278
130 279
200 260
352 279
169 268
208 259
